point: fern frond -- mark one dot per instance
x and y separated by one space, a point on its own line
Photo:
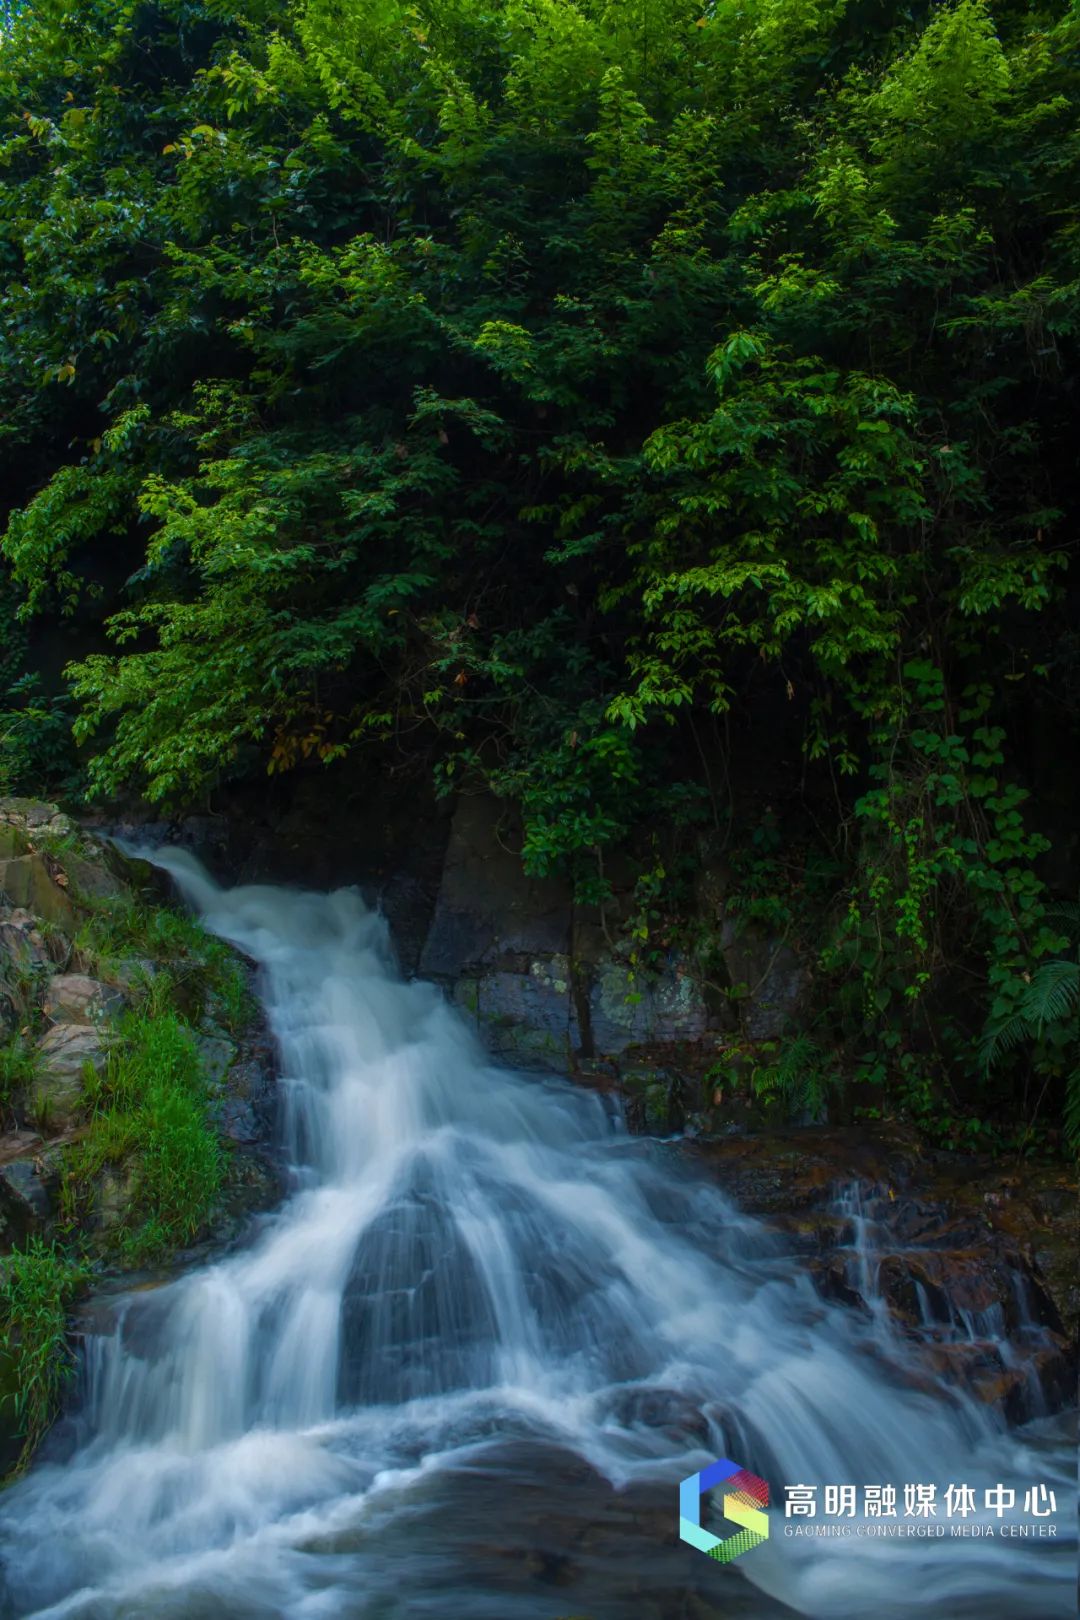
1072 1109
1054 992
1066 912
997 1042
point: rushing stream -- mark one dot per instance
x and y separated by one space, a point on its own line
461 1371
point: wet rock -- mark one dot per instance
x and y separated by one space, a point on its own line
947 1245
663 1409
253 1186
252 1081
526 1017
64 1054
237 1120
833 1280
27 1194
75 998
217 1056
627 1007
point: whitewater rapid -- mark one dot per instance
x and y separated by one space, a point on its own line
483 1319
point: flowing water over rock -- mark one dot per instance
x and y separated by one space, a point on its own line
461 1372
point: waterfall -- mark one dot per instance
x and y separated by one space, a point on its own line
484 1321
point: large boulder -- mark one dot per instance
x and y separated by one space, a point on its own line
627 1008
488 909
27 1194
64 1055
27 882
92 879
74 998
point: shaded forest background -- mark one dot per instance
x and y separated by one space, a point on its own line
662 417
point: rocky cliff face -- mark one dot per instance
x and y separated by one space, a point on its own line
553 983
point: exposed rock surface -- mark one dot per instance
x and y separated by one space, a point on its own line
28 883
27 1193
545 980
550 982
65 1053
75 998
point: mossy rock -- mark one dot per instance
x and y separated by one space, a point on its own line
28 812
13 843
29 884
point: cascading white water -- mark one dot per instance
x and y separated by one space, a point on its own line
478 1277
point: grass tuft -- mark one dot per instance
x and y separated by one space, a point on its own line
204 974
150 1117
36 1287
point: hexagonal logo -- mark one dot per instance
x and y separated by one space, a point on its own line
745 1499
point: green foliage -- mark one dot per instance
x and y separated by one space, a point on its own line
185 964
795 1075
530 392
149 1122
1036 1017
947 872
36 749
35 738
36 1286
17 1067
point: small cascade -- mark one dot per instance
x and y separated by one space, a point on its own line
1003 1336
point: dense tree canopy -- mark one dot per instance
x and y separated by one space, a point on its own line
537 386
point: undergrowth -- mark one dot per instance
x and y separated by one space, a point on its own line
204 975
149 1121
17 1066
37 1283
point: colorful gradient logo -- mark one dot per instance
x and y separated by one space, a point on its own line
745 1499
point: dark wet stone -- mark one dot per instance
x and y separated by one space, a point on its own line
27 1194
